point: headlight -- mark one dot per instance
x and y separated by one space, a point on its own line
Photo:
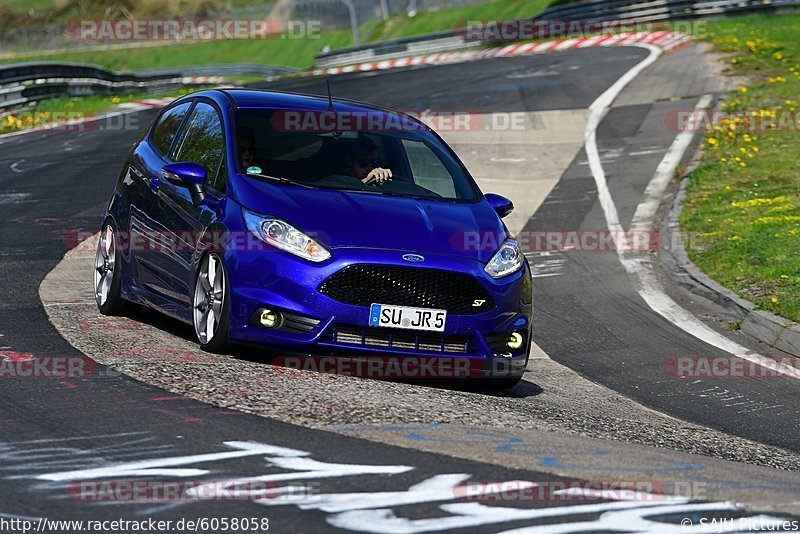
284 236
508 259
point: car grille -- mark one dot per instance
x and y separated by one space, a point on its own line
363 285
399 340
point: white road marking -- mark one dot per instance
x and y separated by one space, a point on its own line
167 467
508 160
13 198
546 264
647 152
645 280
646 210
15 167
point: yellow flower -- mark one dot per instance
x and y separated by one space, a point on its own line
754 148
785 277
774 299
727 188
743 89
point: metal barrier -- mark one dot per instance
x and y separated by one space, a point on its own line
22 83
660 10
630 11
418 44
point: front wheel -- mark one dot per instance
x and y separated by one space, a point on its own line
108 274
211 304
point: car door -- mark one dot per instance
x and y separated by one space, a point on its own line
143 181
184 216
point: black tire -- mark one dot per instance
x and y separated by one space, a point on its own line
113 304
219 339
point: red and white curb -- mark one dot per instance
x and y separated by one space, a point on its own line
667 41
203 80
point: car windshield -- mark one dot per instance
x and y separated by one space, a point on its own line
369 151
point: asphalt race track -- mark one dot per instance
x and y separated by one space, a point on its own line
589 317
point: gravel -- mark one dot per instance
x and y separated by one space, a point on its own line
551 398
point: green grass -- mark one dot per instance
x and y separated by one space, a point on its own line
449 19
298 53
47 112
23 6
742 214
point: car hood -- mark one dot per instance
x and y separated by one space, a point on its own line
371 220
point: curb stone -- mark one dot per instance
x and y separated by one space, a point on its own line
766 327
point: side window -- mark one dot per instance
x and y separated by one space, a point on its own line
203 141
168 124
428 170
218 182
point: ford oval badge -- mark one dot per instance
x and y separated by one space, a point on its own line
416 258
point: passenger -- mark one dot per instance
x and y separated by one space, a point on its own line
247 147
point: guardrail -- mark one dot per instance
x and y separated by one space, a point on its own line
23 83
418 44
632 11
660 10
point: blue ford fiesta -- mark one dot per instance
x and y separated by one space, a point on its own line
315 226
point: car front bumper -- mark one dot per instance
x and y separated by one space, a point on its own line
314 324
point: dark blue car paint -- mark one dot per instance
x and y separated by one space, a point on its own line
355 227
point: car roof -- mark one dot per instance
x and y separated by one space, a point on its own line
267 99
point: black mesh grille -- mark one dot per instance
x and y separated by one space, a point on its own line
399 340
363 285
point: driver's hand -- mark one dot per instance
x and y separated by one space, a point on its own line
379 175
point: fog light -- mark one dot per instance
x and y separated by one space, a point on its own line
514 341
270 319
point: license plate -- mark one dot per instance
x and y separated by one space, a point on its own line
409 318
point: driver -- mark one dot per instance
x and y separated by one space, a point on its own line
363 162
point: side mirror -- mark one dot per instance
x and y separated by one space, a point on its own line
189 175
500 204
186 174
